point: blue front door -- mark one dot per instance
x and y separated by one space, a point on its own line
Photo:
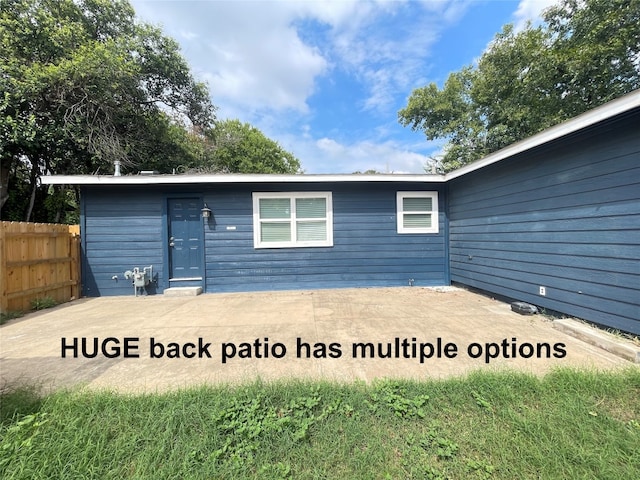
185 239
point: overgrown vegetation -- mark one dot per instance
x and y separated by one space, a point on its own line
568 424
42 303
6 316
36 304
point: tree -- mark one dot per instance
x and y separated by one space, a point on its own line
82 84
242 148
585 53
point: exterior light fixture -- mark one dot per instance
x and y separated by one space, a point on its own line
206 212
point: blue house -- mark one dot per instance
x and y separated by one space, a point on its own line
264 232
553 220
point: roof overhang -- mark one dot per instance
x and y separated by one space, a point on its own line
234 178
603 112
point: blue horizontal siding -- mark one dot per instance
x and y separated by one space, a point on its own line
565 216
367 250
122 228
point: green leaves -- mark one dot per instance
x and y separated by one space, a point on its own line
392 396
441 112
19 438
242 148
584 54
83 85
248 423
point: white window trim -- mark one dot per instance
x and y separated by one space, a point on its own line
257 242
434 213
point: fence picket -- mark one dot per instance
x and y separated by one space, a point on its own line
38 260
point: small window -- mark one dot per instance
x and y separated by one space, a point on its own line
283 220
417 212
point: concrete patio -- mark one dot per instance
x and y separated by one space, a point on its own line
420 332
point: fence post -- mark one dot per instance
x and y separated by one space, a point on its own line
3 271
74 253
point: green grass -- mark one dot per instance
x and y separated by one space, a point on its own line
42 303
36 304
5 317
568 424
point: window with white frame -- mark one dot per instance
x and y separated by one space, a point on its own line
417 212
292 219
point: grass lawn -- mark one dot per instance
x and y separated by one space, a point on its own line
568 424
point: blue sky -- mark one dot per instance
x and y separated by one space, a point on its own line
325 79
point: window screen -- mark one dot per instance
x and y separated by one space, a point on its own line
292 220
417 212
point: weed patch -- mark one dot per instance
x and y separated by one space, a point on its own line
42 303
567 424
6 316
392 396
18 402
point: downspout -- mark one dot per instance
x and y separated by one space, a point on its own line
84 263
447 264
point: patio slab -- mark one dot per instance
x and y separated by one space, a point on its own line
408 332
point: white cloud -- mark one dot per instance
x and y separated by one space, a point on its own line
250 53
263 61
254 57
327 155
386 48
530 11
330 146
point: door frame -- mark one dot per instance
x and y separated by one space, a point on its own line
166 255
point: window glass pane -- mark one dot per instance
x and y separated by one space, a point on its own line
309 231
417 204
275 232
416 220
311 207
275 208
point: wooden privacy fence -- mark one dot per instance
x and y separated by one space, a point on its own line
38 260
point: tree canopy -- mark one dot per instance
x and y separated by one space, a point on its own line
242 148
583 54
84 83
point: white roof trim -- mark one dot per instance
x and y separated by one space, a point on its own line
232 178
598 114
591 117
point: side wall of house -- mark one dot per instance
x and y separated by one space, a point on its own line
566 217
123 227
